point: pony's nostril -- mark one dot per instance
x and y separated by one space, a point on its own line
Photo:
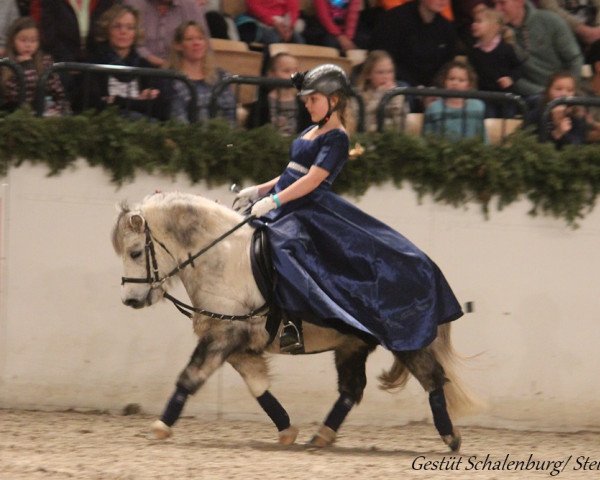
134 303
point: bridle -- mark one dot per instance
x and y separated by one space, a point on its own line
155 281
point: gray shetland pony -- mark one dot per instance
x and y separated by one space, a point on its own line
155 239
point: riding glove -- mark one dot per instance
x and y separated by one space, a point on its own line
245 197
263 206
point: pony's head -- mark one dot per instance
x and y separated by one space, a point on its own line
132 241
153 239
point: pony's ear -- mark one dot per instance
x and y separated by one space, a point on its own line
137 222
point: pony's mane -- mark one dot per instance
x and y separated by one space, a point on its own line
176 199
173 206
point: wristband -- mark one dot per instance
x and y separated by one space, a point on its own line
275 198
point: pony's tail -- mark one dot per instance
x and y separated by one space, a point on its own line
459 399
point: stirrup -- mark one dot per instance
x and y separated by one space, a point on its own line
289 340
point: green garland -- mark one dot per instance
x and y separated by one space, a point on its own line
563 183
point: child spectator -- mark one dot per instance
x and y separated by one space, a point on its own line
377 77
455 117
118 34
334 23
494 60
191 55
23 47
566 125
280 106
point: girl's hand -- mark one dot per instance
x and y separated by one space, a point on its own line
263 206
505 82
245 197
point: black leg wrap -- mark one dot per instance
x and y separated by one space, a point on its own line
175 406
441 419
274 410
339 412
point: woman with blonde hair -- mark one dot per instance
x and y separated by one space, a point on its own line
192 56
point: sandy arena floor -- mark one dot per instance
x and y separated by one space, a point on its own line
43 445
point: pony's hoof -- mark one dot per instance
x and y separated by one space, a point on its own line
288 436
323 438
160 430
453 440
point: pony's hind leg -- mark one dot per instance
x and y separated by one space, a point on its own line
352 380
254 370
210 353
430 374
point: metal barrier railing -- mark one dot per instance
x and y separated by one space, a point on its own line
504 99
268 82
20 79
568 101
88 69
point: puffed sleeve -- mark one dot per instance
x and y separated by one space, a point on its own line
333 152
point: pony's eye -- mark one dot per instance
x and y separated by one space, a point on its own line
136 254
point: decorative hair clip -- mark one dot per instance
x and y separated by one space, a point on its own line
298 79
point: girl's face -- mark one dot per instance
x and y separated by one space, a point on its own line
27 42
382 74
562 87
122 32
457 79
483 26
285 67
193 45
317 105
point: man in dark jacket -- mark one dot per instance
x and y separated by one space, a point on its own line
419 39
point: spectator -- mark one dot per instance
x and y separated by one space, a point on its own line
191 55
67 27
270 21
464 14
23 47
583 16
546 40
159 20
591 88
118 34
566 125
446 12
24 7
494 60
8 14
418 38
376 78
334 23
219 25
456 118
280 106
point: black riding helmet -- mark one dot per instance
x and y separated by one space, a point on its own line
326 79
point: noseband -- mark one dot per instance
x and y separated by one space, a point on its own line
155 281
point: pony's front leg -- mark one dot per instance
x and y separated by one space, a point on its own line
210 353
254 370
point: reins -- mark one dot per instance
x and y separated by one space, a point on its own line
155 281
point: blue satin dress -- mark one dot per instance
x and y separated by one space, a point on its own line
334 261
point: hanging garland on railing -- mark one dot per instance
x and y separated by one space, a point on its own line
562 183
